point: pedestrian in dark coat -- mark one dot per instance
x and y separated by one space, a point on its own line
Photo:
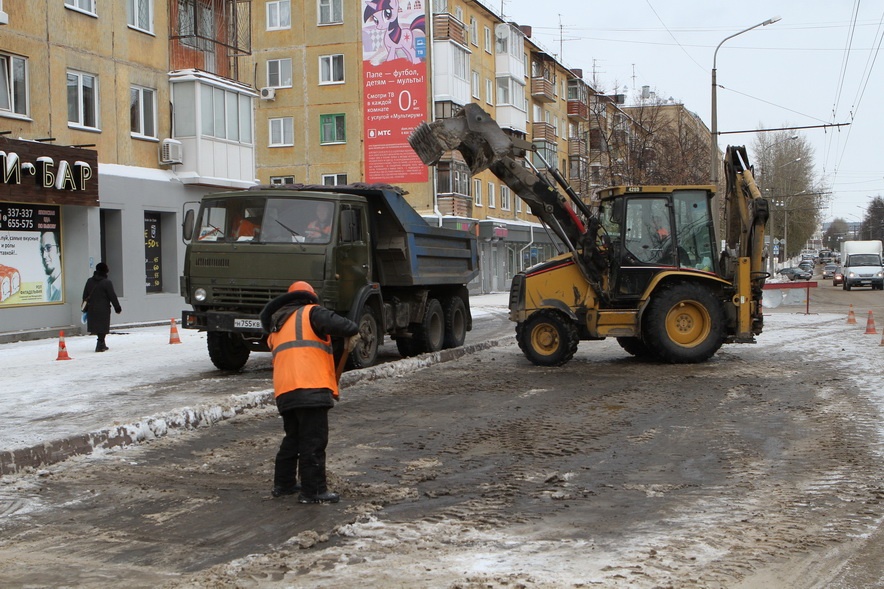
305 385
99 295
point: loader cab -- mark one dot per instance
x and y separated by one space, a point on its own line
653 230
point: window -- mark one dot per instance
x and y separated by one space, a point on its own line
224 115
280 180
282 132
505 197
452 177
503 91
13 85
331 69
196 24
518 205
476 86
279 15
477 192
474 31
460 63
279 73
440 6
139 14
458 13
334 179
331 11
87 6
332 129
487 40
82 100
491 200
489 91
142 112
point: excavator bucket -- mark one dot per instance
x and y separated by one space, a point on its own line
471 131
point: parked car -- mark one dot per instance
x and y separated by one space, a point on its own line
795 274
837 276
829 270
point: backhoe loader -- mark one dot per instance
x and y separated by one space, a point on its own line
643 266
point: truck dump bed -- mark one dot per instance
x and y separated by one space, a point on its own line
411 252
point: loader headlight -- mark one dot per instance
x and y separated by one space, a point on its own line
200 294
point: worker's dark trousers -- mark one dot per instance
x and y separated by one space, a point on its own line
302 450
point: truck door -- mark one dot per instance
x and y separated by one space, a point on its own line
353 254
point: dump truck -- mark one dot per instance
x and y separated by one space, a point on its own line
368 254
861 264
643 265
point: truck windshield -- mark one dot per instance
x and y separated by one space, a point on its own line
864 260
266 220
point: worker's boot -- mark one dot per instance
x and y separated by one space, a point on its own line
327 497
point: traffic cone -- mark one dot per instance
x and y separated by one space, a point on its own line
870 324
62 349
173 334
851 318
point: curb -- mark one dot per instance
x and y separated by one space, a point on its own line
206 415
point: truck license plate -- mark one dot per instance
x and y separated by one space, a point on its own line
247 323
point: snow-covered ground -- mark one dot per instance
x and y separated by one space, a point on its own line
45 399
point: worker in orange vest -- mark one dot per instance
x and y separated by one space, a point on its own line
305 386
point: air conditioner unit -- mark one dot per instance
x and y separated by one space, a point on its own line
171 152
268 93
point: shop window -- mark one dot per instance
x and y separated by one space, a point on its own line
160 252
111 241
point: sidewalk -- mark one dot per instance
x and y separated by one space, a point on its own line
55 408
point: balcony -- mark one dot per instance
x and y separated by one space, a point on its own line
454 204
578 110
448 28
542 90
577 148
210 35
543 132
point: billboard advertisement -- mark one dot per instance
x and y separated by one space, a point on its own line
394 54
30 254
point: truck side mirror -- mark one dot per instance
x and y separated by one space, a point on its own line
187 226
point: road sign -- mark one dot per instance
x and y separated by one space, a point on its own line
776 250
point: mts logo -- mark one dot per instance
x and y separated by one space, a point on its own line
385 133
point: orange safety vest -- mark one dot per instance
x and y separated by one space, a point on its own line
320 230
302 359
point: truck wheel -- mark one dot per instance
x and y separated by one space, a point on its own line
455 323
547 338
227 350
365 353
431 332
683 324
634 346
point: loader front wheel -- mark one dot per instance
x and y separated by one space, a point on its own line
683 324
548 338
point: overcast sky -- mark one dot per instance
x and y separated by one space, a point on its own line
816 66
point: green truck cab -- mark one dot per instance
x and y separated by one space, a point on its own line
368 254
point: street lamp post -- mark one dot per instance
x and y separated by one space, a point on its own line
714 140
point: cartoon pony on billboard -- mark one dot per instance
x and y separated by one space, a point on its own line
398 38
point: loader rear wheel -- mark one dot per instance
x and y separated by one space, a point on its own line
365 353
683 324
455 323
431 332
227 351
634 346
548 338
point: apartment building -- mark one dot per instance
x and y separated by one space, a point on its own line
112 116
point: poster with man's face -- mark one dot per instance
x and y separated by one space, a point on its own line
30 254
